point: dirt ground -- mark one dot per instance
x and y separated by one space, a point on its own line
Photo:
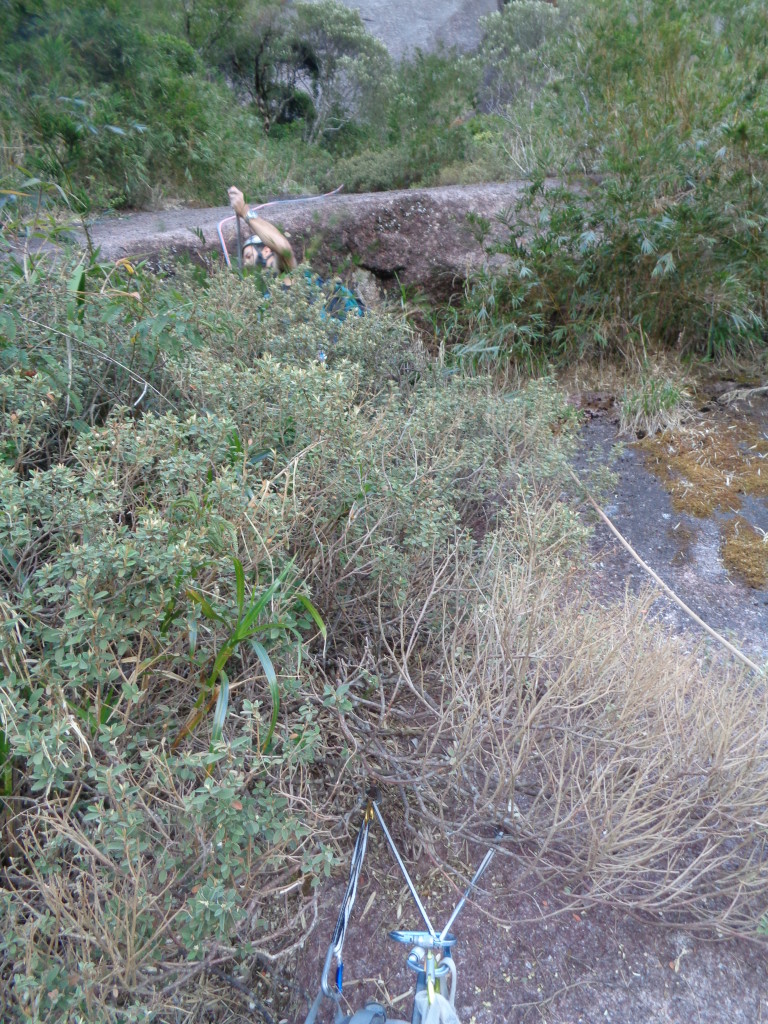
523 955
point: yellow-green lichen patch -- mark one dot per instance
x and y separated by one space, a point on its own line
705 468
711 468
745 551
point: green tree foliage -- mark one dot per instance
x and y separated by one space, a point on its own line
313 61
209 24
667 103
115 114
125 105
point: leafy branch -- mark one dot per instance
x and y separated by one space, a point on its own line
247 628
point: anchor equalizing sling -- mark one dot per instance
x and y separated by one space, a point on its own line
430 955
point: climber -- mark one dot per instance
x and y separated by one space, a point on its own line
266 246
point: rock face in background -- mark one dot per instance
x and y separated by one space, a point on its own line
430 238
405 25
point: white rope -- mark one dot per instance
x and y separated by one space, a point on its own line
667 590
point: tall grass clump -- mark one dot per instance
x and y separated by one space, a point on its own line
667 107
653 400
622 767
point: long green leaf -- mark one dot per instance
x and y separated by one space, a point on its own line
6 765
76 288
274 689
314 613
220 712
222 658
240 582
170 611
263 627
256 609
246 626
62 193
205 606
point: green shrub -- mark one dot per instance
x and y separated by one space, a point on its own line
667 106
214 545
376 170
516 47
424 125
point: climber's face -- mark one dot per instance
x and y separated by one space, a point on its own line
260 256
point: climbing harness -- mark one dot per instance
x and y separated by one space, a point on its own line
430 955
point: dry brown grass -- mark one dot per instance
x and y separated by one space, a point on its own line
620 764
709 466
712 466
745 551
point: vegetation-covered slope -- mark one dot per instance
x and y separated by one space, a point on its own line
252 557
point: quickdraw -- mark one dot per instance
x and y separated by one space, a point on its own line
339 933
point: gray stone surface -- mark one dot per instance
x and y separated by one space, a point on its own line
417 237
404 26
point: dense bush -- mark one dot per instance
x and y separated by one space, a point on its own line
122 110
115 115
517 48
224 515
421 126
246 550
